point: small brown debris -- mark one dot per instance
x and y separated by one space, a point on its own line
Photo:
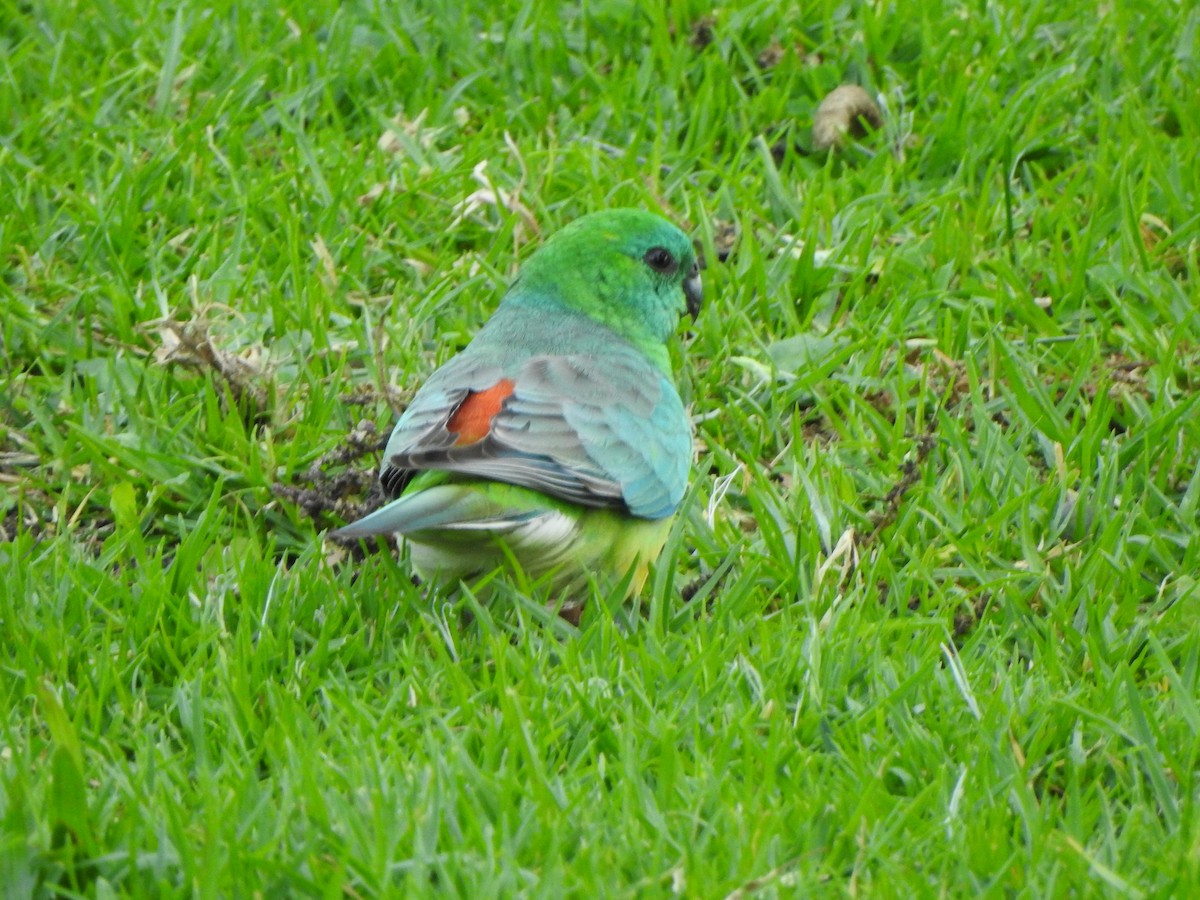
490 194
191 344
373 193
770 57
725 235
1160 243
403 129
333 489
702 32
33 513
364 394
910 474
847 109
362 440
969 616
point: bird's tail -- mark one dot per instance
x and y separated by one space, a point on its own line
447 507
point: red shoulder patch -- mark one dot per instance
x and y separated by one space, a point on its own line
472 419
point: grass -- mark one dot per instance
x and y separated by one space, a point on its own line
929 623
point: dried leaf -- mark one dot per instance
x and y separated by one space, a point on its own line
326 258
847 109
190 344
489 194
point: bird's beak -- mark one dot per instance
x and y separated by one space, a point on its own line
693 291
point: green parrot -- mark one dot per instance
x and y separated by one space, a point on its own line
556 439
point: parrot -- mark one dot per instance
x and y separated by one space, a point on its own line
556 440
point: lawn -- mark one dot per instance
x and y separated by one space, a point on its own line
928 623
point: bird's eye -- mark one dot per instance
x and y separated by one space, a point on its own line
660 259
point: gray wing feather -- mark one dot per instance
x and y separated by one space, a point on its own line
608 432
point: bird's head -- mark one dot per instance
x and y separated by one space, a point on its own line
629 269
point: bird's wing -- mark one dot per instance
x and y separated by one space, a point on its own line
605 431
